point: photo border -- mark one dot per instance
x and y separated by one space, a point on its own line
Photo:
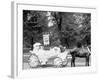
16 67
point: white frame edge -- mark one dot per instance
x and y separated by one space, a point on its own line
14 41
14 56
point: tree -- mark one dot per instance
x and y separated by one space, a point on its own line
75 27
67 29
34 23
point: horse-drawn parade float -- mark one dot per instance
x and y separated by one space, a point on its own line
56 39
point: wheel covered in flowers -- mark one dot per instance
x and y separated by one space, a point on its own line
34 61
57 62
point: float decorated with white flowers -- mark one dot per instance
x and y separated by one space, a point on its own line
54 56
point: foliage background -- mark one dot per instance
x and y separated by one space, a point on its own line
69 28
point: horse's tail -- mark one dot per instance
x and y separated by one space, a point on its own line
89 51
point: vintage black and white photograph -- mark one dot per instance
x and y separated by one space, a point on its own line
54 39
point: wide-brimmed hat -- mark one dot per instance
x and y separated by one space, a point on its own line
36 44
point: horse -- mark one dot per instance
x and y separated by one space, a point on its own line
83 52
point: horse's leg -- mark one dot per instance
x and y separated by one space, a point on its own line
73 61
87 60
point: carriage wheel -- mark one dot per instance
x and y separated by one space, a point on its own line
58 62
65 62
34 61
